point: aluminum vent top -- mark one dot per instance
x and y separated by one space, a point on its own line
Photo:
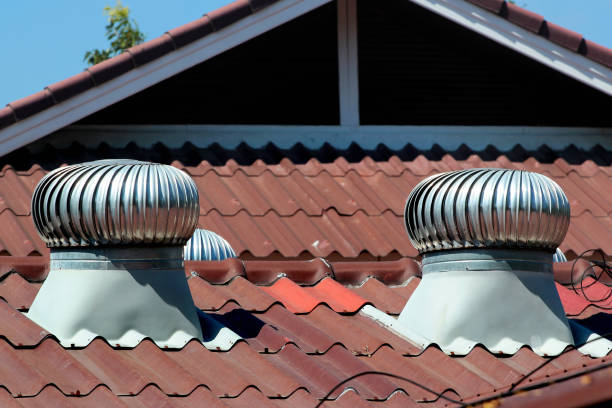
487 208
207 245
115 203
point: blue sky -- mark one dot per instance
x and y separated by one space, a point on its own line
44 41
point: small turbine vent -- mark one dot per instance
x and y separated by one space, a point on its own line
206 245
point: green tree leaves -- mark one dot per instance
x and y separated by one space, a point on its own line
121 31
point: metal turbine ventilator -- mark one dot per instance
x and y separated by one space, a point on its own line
206 245
116 229
487 237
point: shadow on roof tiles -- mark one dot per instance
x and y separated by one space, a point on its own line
50 157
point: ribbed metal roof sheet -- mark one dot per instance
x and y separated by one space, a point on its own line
341 209
302 332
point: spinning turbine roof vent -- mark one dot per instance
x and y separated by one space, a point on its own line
116 229
487 237
206 245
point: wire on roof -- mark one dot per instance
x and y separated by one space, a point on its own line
513 389
604 270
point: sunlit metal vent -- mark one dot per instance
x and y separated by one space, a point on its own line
206 245
115 202
487 208
559 256
487 239
116 229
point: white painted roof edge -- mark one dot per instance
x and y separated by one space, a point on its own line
314 137
588 342
140 78
523 41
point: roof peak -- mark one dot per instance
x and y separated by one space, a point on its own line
174 40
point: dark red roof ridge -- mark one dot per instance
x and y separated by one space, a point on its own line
304 273
301 272
220 18
557 34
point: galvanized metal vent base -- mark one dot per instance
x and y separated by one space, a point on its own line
502 299
121 294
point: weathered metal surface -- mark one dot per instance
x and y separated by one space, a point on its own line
205 245
115 202
210 294
283 354
487 208
17 329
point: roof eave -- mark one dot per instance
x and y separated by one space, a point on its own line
59 115
44 113
523 41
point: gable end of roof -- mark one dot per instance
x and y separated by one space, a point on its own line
535 42
555 33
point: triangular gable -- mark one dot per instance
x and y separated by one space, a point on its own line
66 102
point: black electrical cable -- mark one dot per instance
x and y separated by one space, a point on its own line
513 390
551 359
590 271
385 374
605 268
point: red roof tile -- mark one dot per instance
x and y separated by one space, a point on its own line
18 292
339 209
7 117
286 359
586 390
17 329
72 86
153 49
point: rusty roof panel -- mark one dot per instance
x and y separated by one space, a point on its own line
586 390
18 292
18 329
18 236
389 300
55 366
292 358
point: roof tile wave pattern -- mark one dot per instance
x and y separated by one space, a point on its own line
302 332
342 209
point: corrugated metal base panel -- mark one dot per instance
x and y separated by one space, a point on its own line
302 333
318 203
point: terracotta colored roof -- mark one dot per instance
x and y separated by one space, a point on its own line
336 209
303 332
233 12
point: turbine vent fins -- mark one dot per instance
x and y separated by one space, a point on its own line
486 208
115 203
